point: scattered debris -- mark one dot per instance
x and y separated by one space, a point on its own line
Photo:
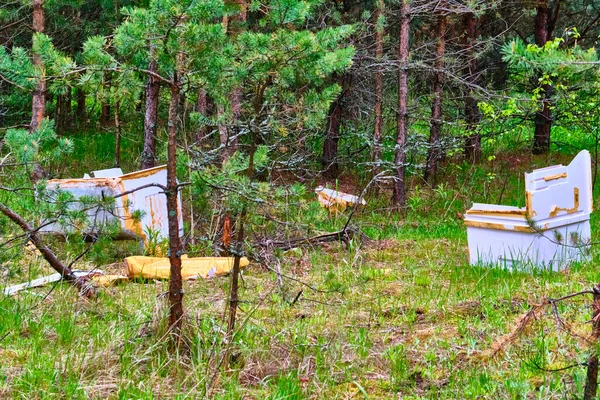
336 201
140 205
345 235
553 229
143 267
191 268
11 290
64 271
108 280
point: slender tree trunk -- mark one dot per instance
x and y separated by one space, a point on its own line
543 118
202 109
151 118
223 134
434 152
591 382
105 115
80 105
117 162
332 137
377 134
473 141
38 108
255 139
175 282
235 273
399 190
58 114
61 114
234 25
68 114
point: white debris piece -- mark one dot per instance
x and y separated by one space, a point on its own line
553 229
336 201
132 192
11 290
107 173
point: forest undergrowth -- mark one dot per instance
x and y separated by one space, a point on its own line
399 315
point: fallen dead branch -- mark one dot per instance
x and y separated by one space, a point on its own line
519 326
591 384
344 236
67 274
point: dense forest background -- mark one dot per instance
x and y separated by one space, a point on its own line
418 107
404 87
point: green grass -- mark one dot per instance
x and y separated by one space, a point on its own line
402 317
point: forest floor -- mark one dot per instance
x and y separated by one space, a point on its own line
401 316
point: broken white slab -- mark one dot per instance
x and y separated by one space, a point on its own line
132 192
107 173
334 200
550 232
12 290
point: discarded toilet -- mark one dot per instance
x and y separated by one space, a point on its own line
132 192
550 232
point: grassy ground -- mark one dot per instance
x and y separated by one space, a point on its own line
404 316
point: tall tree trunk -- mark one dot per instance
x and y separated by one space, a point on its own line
202 109
329 161
379 32
591 382
117 160
175 282
473 141
105 115
61 113
223 134
80 106
68 109
58 114
399 190
234 25
38 108
434 152
235 273
151 118
544 27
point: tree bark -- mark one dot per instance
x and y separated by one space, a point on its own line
80 105
591 382
151 118
233 25
59 114
47 253
202 109
117 161
434 152
38 108
377 133
543 118
472 115
175 282
235 273
68 109
399 190
105 115
329 161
